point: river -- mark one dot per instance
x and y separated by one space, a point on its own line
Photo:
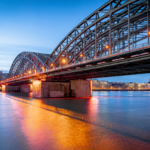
115 120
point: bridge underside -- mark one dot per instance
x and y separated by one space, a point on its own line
40 89
136 62
127 68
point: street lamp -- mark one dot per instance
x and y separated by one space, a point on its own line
43 69
29 71
63 60
149 33
81 55
52 65
107 46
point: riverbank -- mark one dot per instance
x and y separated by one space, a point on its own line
116 90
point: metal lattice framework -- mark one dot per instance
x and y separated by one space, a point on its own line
121 24
28 61
3 76
115 27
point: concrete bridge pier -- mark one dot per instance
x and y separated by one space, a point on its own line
8 88
3 88
81 88
74 88
25 88
50 89
42 89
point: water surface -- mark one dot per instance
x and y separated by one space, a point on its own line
108 120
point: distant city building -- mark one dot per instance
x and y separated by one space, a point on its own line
105 85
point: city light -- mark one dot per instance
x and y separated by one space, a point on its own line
63 60
36 83
52 65
29 72
107 46
81 55
3 88
149 33
43 69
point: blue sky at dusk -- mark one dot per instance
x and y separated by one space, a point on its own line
39 26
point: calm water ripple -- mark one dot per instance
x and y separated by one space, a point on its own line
109 120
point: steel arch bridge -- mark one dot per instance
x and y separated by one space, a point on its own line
3 76
28 62
116 27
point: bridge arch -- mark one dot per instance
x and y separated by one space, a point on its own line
120 24
26 61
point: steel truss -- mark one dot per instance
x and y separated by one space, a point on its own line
120 24
115 27
28 61
3 76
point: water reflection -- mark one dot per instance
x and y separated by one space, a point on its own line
93 109
110 121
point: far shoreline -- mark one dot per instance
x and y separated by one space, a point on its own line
116 90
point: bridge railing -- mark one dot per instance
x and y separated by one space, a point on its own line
133 47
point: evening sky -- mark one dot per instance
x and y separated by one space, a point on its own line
39 26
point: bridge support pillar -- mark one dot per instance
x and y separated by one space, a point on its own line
50 89
36 89
25 88
74 88
81 88
8 88
3 88
59 89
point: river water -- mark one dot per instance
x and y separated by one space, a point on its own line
107 121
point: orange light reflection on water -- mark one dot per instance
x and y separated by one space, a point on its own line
50 127
93 108
44 128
